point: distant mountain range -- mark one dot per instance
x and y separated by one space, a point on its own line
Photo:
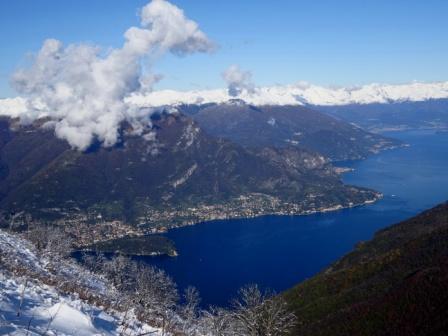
287 126
431 113
300 94
176 175
394 284
375 107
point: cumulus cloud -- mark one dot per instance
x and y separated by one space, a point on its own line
13 107
237 80
83 90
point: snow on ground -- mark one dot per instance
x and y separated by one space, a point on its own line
29 306
21 253
44 311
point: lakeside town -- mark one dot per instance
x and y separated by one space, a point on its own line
93 228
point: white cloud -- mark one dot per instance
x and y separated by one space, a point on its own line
13 107
237 80
84 90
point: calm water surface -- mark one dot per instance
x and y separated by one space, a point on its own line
279 251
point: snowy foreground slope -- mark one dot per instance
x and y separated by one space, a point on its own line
44 293
35 298
45 311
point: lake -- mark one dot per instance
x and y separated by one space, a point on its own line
277 252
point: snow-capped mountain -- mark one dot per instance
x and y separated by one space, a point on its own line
295 94
300 94
79 129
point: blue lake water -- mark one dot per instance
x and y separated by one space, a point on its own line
277 252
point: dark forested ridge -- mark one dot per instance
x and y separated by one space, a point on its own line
176 173
281 126
394 284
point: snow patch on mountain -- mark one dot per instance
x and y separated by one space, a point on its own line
295 94
298 94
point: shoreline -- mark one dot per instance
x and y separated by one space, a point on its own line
303 213
174 253
243 207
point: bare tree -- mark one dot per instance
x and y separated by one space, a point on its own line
157 294
278 320
37 234
122 272
259 313
217 322
52 240
148 289
59 242
154 295
94 262
189 311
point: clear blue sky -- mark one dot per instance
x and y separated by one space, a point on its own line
344 42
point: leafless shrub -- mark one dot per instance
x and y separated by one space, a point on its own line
217 322
258 313
52 240
122 272
157 295
189 311
153 295
94 262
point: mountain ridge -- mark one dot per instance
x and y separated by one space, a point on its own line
394 284
178 175
301 93
282 126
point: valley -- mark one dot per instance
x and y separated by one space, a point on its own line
223 168
411 179
173 175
